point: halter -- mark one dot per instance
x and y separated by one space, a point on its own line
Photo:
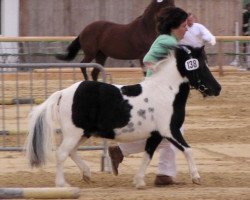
201 87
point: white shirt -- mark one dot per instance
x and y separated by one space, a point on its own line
197 35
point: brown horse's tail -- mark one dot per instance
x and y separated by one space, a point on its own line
72 51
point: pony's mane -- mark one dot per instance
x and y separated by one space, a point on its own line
165 61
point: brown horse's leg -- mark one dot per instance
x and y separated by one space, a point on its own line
100 59
84 72
83 69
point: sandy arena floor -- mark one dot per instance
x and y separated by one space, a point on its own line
218 130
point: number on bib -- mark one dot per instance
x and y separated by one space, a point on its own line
192 64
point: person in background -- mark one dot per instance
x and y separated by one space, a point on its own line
246 30
245 20
197 35
171 26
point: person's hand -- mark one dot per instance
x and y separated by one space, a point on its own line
213 41
150 69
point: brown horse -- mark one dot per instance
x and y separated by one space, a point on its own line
102 39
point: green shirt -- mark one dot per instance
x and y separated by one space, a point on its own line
159 49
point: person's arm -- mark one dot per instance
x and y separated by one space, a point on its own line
167 44
150 68
207 35
159 49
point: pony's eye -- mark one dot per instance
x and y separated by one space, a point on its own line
159 1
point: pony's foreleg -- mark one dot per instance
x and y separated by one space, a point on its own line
86 174
181 144
151 144
192 166
69 143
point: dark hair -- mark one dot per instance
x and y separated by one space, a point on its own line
170 18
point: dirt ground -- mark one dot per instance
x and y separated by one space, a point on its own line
218 130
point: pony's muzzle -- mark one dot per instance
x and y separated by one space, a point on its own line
214 91
208 91
217 91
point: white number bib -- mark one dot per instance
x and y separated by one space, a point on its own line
192 64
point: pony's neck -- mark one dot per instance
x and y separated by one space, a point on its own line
168 74
169 78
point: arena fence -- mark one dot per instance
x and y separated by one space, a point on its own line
241 53
33 49
43 49
20 91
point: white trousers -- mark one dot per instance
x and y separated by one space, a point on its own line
167 157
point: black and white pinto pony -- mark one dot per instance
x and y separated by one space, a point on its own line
153 109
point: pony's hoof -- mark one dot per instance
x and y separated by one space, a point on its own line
141 187
139 184
86 179
63 184
196 181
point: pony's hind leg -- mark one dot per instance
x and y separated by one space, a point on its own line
69 143
86 174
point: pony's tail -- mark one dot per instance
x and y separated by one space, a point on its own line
43 121
72 51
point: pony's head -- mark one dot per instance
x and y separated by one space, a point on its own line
192 64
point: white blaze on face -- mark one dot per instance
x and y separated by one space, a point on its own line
159 1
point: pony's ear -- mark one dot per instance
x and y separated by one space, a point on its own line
157 66
186 48
162 59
